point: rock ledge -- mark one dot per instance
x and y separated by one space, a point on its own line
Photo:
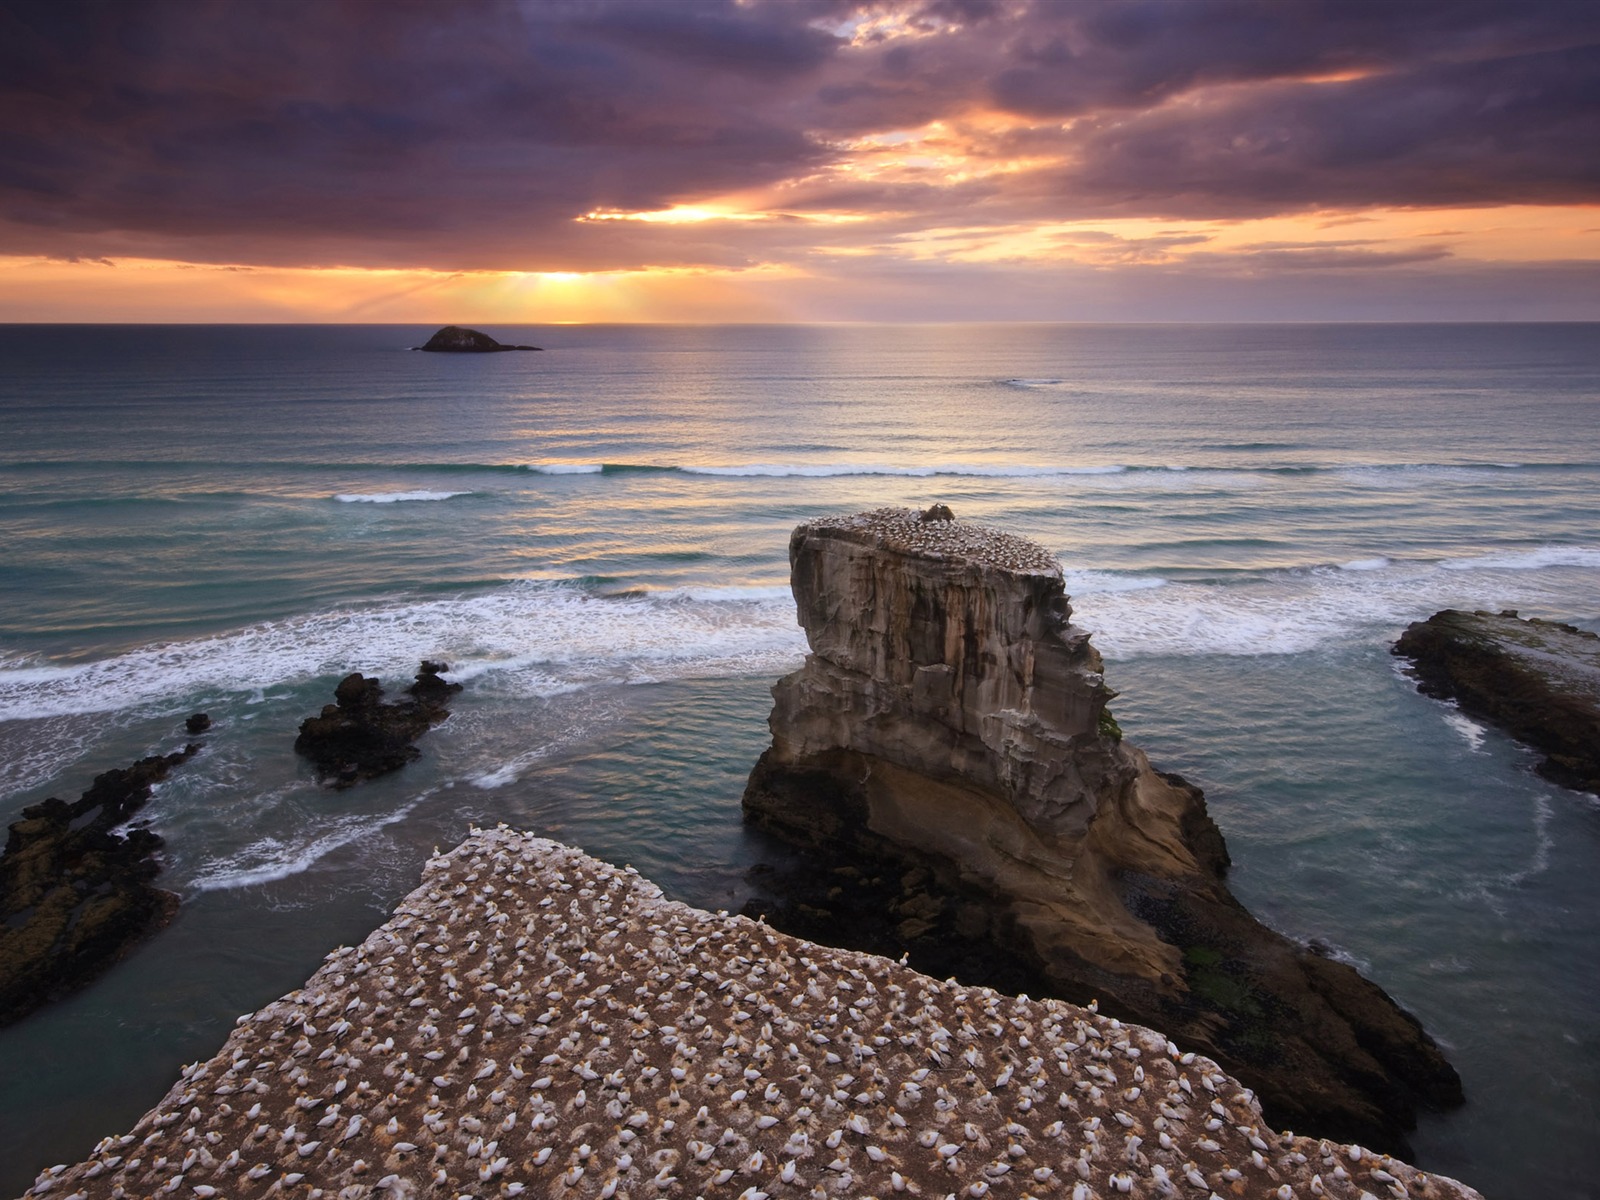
1537 680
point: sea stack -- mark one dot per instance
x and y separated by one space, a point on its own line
948 732
453 339
1537 680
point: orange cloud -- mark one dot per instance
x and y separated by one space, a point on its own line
35 289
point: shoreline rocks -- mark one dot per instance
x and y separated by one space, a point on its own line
1537 680
534 1022
75 897
453 339
359 737
948 737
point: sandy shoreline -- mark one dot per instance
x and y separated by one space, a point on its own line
532 1021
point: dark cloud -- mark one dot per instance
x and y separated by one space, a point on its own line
472 134
1523 129
1137 53
434 134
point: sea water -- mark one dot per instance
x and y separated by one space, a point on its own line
229 519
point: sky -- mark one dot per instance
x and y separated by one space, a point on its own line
538 161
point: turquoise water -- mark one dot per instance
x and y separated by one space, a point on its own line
230 519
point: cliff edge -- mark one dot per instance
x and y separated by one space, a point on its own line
947 743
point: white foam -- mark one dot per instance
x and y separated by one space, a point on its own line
1197 619
831 470
273 858
1528 560
1376 563
36 753
393 497
1543 841
753 592
1097 583
510 771
566 468
1293 612
1033 383
530 639
807 470
1467 728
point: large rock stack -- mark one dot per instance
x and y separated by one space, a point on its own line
947 743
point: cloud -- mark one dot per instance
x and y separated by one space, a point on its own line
477 135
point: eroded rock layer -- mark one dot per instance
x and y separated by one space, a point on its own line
949 731
1537 680
533 1022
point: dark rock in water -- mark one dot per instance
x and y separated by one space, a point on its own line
453 339
946 759
360 737
198 723
1537 680
74 896
937 512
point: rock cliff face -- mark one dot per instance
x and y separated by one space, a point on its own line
1538 680
949 731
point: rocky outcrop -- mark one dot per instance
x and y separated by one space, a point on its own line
453 339
75 896
360 737
1537 680
946 754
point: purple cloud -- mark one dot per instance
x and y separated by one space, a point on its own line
474 134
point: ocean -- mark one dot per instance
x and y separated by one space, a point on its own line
229 519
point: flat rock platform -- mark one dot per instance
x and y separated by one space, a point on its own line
534 1022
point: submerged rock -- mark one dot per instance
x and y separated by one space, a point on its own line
1537 680
360 737
75 896
947 739
453 339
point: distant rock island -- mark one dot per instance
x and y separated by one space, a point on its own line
947 761
1537 680
453 339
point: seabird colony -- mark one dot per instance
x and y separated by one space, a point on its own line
535 1022
942 537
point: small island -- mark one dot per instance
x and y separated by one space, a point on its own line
453 339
